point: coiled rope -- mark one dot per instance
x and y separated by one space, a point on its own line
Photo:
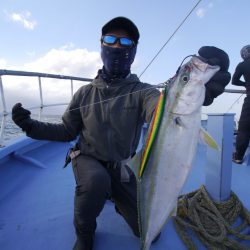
212 222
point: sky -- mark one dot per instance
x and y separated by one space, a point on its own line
63 37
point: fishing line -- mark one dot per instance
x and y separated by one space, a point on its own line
231 105
156 86
234 103
160 85
183 21
183 62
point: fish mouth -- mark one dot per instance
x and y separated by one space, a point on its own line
200 63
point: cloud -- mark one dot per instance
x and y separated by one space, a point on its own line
3 63
23 18
66 60
201 12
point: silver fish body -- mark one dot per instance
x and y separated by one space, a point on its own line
173 151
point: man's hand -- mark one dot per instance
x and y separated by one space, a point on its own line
21 117
217 84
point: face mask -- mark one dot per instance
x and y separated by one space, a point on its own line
117 61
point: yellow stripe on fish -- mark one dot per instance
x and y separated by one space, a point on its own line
153 130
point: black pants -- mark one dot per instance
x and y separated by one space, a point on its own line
243 136
95 183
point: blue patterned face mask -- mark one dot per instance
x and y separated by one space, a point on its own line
117 61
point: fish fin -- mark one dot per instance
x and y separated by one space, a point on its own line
207 139
135 162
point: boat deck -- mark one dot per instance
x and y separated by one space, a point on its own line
36 201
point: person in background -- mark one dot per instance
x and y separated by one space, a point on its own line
109 131
243 135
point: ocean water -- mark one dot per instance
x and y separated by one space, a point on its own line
11 130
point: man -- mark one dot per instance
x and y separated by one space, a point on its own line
243 135
110 129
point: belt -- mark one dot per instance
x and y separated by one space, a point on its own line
124 174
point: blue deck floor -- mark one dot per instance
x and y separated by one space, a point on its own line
36 205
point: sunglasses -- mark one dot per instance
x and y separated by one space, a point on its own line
123 41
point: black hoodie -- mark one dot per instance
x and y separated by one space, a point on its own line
242 69
108 118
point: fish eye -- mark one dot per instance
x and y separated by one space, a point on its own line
185 78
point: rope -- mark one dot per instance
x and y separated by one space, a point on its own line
183 21
211 222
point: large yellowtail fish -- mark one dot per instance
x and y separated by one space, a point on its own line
165 160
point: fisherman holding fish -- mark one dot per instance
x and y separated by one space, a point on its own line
108 115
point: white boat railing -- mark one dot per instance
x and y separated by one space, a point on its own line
4 112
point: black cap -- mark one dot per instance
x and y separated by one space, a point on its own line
122 23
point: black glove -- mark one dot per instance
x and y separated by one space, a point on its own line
217 84
21 117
